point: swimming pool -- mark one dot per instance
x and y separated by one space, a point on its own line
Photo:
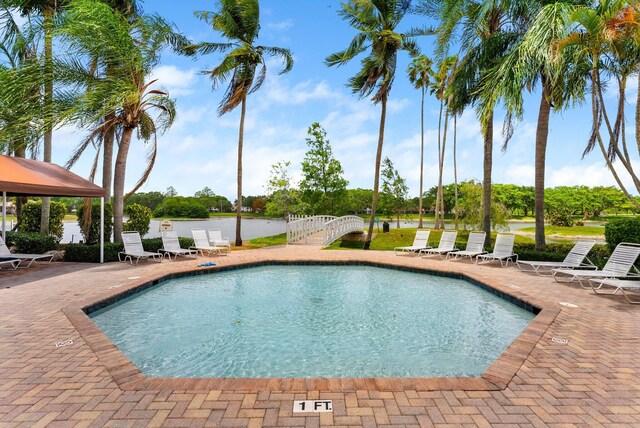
313 321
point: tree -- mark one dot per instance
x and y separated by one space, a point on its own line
358 200
170 192
284 198
239 22
376 22
472 210
394 190
206 195
323 183
136 46
420 74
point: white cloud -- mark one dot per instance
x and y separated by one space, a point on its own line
280 26
522 175
176 81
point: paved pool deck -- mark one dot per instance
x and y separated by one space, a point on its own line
593 380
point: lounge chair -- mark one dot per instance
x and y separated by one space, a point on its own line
13 263
133 249
216 239
201 243
618 285
31 258
619 265
475 247
502 250
574 260
171 246
447 244
419 243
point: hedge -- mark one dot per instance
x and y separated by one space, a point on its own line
622 230
91 253
31 213
31 242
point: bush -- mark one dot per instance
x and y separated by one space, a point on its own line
31 213
179 207
31 242
139 218
94 229
84 253
559 217
622 230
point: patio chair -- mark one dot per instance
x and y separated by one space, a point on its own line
419 243
619 265
475 247
13 263
133 249
617 285
201 243
216 239
502 250
576 259
447 244
171 246
31 258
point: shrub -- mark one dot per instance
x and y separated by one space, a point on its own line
93 234
622 230
560 217
31 242
139 218
180 207
84 253
31 213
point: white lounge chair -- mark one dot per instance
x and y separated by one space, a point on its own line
619 265
502 250
574 260
216 239
447 244
617 285
133 249
171 246
31 258
475 247
201 243
419 243
13 263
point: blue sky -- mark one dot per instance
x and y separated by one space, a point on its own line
201 148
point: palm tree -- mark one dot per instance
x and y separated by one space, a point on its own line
420 74
485 29
561 80
135 45
239 22
376 22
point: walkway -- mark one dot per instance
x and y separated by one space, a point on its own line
594 380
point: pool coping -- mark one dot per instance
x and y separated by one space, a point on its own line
496 377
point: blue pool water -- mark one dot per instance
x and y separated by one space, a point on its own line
313 321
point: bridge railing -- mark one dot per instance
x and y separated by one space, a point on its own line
307 229
338 227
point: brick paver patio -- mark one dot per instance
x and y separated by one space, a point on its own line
593 380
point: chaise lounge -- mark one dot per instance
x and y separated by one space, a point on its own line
502 250
133 249
171 246
419 243
447 244
574 260
31 258
475 247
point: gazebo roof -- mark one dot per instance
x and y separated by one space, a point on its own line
19 176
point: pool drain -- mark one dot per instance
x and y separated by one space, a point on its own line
114 286
134 277
560 340
64 343
567 305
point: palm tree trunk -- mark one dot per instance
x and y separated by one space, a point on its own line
542 133
48 105
638 116
107 161
421 159
437 210
20 152
376 180
239 203
486 183
118 183
440 217
455 172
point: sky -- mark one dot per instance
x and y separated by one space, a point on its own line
200 150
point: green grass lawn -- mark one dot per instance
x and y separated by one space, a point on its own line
267 241
569 231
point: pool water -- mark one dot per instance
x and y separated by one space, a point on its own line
313 321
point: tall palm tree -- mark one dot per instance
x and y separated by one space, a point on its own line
376 22
239 22
485 30
135 45
561 80
420 74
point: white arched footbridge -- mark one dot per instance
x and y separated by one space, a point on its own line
321 229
